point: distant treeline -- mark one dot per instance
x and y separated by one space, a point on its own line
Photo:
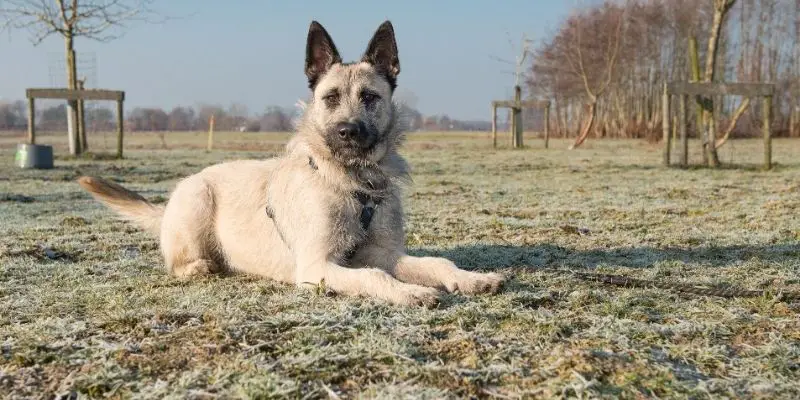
613 58
13 116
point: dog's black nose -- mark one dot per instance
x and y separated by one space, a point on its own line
347 130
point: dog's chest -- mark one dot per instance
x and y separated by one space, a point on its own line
352 221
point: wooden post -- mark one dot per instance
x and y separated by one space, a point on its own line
494 126
31 121
547 126
767 134
666 118
513 128
520 129
210 133
120 128
682 123
81 125
674 130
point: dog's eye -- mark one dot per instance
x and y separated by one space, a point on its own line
369 98
331 100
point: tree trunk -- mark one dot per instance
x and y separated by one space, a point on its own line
694 66
558 115
721 7
72 105
588 127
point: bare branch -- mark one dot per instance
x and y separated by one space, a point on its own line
38 17
583 74
502 60
613 59
99 20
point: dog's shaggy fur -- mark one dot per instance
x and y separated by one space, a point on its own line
328 211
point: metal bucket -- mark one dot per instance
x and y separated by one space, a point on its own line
34 156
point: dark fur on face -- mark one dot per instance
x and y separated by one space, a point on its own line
351 140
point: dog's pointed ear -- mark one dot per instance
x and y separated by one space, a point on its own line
382 53
321 53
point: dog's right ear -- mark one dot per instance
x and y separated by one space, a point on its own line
321 53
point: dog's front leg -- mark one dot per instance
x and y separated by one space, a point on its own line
314 265
436 272
371 282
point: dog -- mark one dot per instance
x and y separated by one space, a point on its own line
327 212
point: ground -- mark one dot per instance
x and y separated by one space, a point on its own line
87 308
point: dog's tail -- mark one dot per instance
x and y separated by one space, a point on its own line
130 205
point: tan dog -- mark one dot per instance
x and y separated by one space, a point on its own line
328 211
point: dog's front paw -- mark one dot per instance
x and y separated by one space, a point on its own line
413 295
474 282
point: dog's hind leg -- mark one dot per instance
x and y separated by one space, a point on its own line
188 241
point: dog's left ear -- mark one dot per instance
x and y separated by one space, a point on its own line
382 53
321 53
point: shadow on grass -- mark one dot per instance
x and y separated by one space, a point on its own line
546 255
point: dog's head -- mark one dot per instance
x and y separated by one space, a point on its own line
351 115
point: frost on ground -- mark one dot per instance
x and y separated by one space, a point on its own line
86 308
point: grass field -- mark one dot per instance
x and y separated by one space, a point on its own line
86 308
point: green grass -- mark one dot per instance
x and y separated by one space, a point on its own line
85 306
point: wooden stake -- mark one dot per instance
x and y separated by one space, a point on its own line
120 128
682 124
494 126
31 121
210 133
547 126
81 123
767 132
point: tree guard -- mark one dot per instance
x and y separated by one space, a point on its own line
76 95
708 89
516 107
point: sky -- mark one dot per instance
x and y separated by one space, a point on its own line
252 52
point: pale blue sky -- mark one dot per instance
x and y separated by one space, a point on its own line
252 52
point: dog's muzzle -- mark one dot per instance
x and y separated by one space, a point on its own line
354 134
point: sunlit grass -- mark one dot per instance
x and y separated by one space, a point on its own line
86 307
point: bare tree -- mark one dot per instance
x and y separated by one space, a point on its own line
99 20
765 46
604 53
519 64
